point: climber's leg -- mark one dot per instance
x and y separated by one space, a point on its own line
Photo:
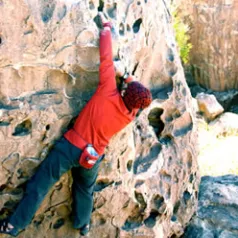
83 187
62 158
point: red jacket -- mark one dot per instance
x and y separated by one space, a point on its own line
105 114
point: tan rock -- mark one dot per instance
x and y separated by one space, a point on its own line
148 182
209 106
214 38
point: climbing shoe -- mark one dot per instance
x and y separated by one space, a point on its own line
84 230
7 228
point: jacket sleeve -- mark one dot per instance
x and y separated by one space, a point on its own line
107 75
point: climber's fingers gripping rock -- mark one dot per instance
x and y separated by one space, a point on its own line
119 67
104 21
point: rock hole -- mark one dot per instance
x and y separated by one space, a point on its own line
158 201
136 25
173 218
128 28
91 5
189 160
170 55
2 187
4 123
125 205
140 199
144 162
118 164
172 71
176 114
123 152
186 197
166 140
169 118
133 222
23 128
21 174
155 121
139 183
43 137
165 177
183 130
135 68
58 223
38 220
138 3
58 186
112 11
118 183
101 6
47 12
102 184
168 192
170 161
101 221
99 202
129 165
9 204
176 207
184 92
0 40
151 220
121 29
191 177
47 127
62 12
98 22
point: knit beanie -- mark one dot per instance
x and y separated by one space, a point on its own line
137 96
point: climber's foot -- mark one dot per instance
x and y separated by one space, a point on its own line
7 228
84 230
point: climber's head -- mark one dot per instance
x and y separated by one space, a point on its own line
137 96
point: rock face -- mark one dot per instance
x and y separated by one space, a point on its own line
214 39
148 182
217 211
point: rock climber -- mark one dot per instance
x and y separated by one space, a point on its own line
81 149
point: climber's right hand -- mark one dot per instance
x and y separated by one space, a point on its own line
119 68
105 23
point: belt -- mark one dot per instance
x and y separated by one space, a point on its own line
74 137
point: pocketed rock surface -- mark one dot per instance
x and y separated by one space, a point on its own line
49 58
217 210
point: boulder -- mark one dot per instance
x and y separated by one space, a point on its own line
228 99
217 213
209 106
148 181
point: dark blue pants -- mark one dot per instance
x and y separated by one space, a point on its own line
63 157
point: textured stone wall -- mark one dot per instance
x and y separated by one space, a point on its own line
214 39
148 182
217 209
